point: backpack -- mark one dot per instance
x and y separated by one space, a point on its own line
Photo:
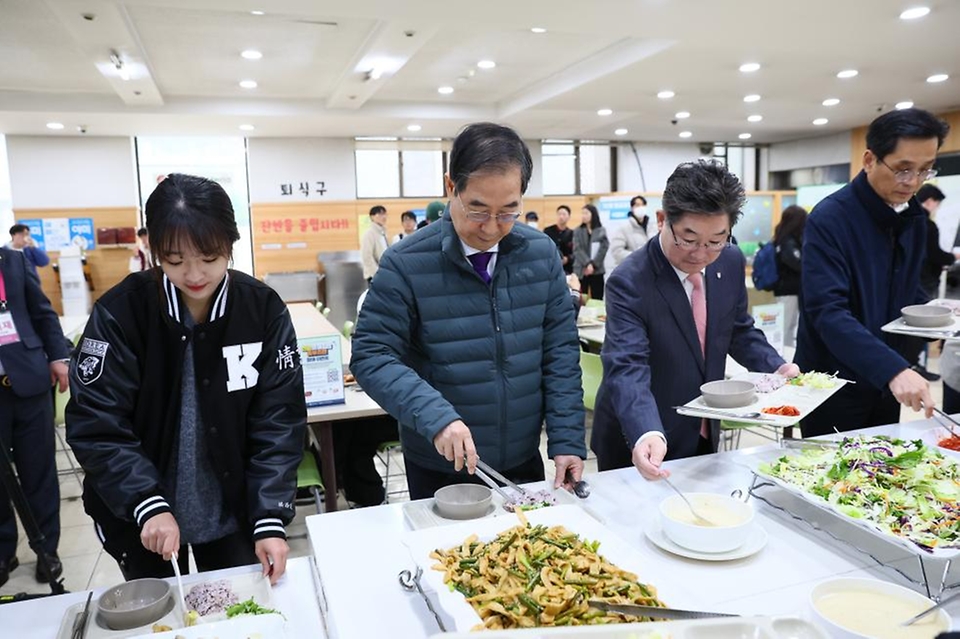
765 275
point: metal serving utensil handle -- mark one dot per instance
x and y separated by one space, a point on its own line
931 609
492 484
687 501
410 581
490 470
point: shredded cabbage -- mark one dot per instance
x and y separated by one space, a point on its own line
819 381
904 488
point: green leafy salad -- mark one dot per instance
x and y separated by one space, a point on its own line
902 487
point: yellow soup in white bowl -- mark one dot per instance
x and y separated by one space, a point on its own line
727 526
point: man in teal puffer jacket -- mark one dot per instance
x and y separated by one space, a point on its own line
467 335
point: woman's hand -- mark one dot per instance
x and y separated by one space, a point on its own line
272 553
161 534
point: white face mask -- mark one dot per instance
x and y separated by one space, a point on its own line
535 225
640 211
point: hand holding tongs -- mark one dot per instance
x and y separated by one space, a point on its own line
487 473
951 421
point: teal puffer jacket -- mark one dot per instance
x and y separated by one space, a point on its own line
434 344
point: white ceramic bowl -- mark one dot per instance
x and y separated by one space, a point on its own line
734 519
891 600
924 316
728 393
463 501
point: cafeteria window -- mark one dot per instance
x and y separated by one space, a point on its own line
576 167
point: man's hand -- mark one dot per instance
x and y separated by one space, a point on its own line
455 442
60 374
912 390
272 553
564 463
789 370
588 270
647 457
161 535
573 282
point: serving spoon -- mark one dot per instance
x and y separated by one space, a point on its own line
696 515
926 612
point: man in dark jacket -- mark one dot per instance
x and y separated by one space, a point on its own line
930 199
863 250
562 236
675 308
33 355
467 335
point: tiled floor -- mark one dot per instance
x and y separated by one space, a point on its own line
87 566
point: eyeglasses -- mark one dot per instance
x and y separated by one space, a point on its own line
691 245
906 176
481 217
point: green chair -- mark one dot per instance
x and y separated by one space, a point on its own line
383 454
326 312
308 476
591 373
348 327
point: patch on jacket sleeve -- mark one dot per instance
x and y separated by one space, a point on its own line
90 362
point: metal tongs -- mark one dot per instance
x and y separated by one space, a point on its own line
79 630
411 581
487 473
951 422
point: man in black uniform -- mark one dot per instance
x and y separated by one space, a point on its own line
33 356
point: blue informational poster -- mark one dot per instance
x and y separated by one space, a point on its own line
613 208
57 233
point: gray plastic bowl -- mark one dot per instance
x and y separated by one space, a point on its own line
728 393
134 603
463 501
923 316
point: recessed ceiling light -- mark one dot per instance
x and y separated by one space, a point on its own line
906 104
753 97
56 126
247 127
938 77
666 95
744 136
621 132
681 115
538 29
754 118
820 121
445 90
413 127
248 84
914 12
486 64
686 134
749 67
604 111
251 54
848 73
831 102
256 13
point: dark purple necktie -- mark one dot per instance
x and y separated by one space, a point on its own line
480 262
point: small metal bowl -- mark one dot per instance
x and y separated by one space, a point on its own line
134 603
728 393
923 316
463 501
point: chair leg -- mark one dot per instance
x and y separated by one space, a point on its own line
316 497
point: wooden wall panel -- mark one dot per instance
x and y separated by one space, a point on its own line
107 265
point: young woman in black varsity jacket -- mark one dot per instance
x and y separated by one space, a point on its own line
187 410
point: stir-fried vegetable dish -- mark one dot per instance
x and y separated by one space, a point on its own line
538 576
904 488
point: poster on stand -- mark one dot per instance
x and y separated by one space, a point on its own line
322 370
769 318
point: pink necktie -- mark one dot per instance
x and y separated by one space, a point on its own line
698 301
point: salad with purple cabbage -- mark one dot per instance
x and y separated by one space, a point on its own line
904 488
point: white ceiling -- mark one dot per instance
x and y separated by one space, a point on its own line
617 54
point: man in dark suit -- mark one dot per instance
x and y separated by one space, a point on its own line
33 356
675 309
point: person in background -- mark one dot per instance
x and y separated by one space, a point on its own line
532 219
434 211
20 240
950 373
930 199
33 356
630 236
675 309
863 250
788 240
374 242
590 246
562 236
408 220
141 259
467 335
187 411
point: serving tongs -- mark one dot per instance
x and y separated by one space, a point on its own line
79 630
951 422
791 442
487 473
411 581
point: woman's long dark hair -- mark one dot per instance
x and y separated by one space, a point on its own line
191 209
594 216
792 221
